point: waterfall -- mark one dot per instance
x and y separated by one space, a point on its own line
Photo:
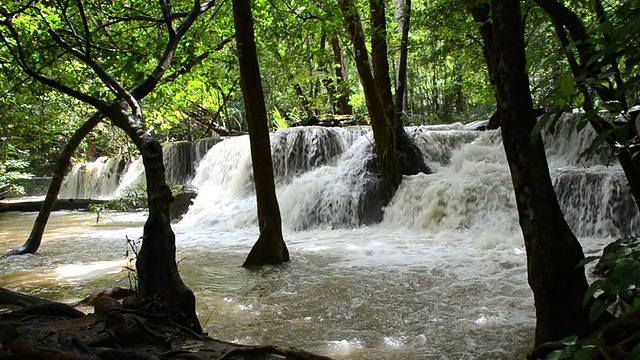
95 180
108 178
326 178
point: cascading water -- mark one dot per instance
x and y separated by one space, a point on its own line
96 180
325 180
108 178
442 276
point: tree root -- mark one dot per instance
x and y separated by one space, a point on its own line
55 331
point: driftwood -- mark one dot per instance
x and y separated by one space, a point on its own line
61 204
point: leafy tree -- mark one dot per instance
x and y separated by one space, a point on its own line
99 75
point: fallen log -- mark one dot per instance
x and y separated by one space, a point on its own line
61 204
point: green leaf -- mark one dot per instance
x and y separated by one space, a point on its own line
596 144
554 355
598 308
569 340
587 260
635 353
567 85
592 342
582 354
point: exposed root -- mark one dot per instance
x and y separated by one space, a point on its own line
55 331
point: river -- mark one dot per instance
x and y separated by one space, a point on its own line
441 277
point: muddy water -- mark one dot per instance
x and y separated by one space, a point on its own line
366 293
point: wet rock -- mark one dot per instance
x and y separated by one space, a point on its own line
181 203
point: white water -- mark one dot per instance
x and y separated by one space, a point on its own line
442 277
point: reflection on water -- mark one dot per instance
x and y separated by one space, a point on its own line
367 293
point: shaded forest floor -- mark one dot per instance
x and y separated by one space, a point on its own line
32 328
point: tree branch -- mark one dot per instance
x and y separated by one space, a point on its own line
21 59
152 80
87 33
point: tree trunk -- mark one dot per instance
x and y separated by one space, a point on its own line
60 204
409 155
379 58
270 248
383 132
403 16
552 250
480 14
159 282
62 165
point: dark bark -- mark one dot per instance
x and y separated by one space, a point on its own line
613 61
552 250
62 165
270 248
380 60
383 131
481 14
579 37
409 155
159 282
12 299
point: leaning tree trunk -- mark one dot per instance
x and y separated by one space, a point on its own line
383 132
380 60
159 281
35 237
553 252
270 248
409 155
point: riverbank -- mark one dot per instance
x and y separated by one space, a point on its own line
33 328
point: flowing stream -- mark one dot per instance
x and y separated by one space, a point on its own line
442 276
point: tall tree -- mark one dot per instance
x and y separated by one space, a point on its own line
340 65
383 131
397 154
553 252
69 27
403 18
270 248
